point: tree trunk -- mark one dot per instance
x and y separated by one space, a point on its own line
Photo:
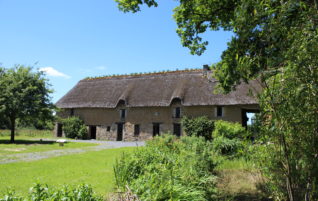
12 129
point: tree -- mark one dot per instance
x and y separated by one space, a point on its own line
24 95
275 42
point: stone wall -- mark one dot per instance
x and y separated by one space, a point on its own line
146 116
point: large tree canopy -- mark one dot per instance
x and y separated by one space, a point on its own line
24 95
265 32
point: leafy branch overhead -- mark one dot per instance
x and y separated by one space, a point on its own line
265 31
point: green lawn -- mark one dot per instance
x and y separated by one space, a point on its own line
27 145
95 168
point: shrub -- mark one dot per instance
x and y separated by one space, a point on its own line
168 168
228 138
74 127
43 192
228 130
200 126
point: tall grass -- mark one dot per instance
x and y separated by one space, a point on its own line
168 168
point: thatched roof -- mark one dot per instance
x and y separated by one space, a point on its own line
157 89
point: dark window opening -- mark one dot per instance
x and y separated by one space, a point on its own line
137 130
219 111
122 113
177 112
92 132
177 129
72 112
108 128
59 130
156 129
120 128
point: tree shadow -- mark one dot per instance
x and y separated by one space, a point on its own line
244 197
26 142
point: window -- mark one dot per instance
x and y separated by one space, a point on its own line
122 113
108 128
72 112
219 111
137 130
177 112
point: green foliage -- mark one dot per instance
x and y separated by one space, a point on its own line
168 168
74 127
200 126
228 130
228 138
290 129
43 192
24 95
228 147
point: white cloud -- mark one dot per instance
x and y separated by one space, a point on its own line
50 71
101 67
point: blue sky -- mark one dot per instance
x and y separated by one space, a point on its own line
74 39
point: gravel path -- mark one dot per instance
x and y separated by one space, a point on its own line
12 158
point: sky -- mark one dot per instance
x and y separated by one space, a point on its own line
73 39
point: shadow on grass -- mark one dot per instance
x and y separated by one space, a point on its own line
26 142
244 197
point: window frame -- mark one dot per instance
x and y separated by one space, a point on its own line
122 113
177 114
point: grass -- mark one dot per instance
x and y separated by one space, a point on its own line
23 145
94 168
239 179
27 141
28 133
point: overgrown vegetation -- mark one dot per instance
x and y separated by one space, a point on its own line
168 168
74 127
200 127
229 139
44 192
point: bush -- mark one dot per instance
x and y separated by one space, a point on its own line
200 126
74 128
228 138
168 168
229 130
42 192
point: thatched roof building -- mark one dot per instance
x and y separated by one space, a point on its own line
192 87
138 107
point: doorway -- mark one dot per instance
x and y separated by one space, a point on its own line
92 132
177 129
120 128
156 129
247 116
59 130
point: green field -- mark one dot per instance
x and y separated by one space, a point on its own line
28 133
94 168
23 145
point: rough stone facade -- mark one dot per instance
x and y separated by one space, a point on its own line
106 120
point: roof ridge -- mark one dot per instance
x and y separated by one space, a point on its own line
133 75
